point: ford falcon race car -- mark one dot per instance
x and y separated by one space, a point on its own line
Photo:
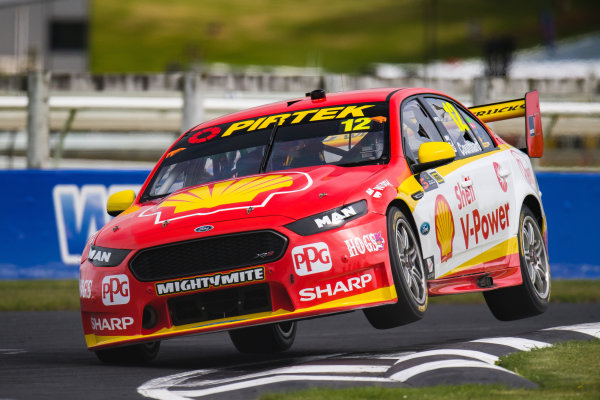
371 200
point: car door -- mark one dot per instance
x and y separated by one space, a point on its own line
447 191
482 189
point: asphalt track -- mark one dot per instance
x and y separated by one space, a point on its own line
43 356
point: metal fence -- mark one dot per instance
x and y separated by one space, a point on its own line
169 103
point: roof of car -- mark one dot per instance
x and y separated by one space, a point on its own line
301 103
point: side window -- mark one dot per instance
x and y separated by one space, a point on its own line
417 128
461 137
479 131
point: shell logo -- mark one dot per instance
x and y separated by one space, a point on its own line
444 227
228 192
234 194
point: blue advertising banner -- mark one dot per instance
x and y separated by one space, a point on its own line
570 201
49 214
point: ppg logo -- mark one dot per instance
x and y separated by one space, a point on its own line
115 290
311 258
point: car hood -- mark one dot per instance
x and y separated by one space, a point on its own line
281 197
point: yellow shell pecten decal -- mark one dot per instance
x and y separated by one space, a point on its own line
444 227
228 192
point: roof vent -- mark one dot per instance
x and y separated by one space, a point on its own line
316 94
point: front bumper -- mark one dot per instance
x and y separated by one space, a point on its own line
339 270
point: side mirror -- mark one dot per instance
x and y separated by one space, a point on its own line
533 125
434 154
119 202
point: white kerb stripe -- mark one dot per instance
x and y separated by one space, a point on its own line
408 373
515 342
478 355
592 329
186 394
332 369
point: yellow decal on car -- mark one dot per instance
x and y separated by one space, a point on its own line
312 115
228 192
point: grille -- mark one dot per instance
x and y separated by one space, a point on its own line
201 256
220 304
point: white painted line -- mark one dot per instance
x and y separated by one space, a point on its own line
515 342
408 373
163 394
377 356
333 369
12 351
592 329
478 355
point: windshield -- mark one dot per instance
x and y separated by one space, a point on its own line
346 135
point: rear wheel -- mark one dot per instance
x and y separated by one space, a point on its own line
141 353
409 276
271 338
532 297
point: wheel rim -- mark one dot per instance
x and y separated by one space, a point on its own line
535 256
411 265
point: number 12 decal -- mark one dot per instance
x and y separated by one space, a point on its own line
357 124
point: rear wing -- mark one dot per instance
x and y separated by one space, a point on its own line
528 107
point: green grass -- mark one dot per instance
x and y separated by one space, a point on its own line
340 35
569 370
39 295
49 295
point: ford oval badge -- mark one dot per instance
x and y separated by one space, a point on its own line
203 228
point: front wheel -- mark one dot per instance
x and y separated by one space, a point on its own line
141 353
533 295
409 276
272 338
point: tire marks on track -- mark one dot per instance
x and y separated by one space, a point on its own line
464 362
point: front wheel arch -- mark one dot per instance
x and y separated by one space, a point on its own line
408 214
535 207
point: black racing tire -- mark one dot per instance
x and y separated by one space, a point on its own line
409 276
142 353
533 295
271 338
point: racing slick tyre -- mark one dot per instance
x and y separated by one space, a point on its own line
409 276
271 338
532 296
135 354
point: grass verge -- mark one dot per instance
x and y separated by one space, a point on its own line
339 35
48 295
569 370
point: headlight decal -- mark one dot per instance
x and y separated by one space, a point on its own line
328 220
106 257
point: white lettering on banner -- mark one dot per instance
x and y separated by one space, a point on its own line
208 281
311 258
115 290
85 288
329 290
79 212
111 324
367 243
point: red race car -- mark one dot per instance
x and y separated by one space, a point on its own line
372 200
